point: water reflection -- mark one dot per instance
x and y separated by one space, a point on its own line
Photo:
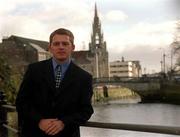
151 114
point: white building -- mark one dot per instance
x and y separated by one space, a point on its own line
42 54
125 68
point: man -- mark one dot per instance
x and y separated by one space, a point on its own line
55 96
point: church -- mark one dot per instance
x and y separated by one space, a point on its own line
94 60
26 51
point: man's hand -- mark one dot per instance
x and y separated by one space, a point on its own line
51 126
44 124
56 127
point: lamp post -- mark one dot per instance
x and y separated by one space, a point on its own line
163 61
161 66
97 64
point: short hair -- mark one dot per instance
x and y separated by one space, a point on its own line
62 31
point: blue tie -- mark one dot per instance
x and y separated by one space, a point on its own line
58 75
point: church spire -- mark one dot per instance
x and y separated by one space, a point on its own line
95 11
97 48
97 40
96 18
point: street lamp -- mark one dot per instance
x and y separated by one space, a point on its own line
163 61
161 66
97 63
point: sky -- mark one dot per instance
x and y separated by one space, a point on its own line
135 29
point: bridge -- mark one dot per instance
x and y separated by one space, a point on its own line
149 88
143 86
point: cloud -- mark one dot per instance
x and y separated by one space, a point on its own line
116 16
36 19
25 27
155 35
142 42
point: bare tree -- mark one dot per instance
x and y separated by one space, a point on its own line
175 45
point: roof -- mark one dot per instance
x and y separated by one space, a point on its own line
37 47
38 44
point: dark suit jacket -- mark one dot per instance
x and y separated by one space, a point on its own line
38 98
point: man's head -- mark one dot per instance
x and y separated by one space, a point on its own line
61 44
62 31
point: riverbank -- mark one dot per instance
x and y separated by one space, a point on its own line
168 93
114 95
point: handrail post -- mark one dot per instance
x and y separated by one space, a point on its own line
3 116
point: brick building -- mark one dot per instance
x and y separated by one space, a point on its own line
19 51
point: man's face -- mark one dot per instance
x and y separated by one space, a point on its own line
61 47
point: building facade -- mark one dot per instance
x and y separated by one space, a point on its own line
19 51
125 69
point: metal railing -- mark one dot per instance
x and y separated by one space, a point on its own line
136 127
126 79
4 127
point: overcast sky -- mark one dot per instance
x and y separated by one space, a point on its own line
136 29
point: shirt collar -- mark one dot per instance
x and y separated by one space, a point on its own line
63 65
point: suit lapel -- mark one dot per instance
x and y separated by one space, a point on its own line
49 74
68 77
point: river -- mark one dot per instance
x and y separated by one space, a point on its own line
134 113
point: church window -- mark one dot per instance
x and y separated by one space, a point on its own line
97 38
